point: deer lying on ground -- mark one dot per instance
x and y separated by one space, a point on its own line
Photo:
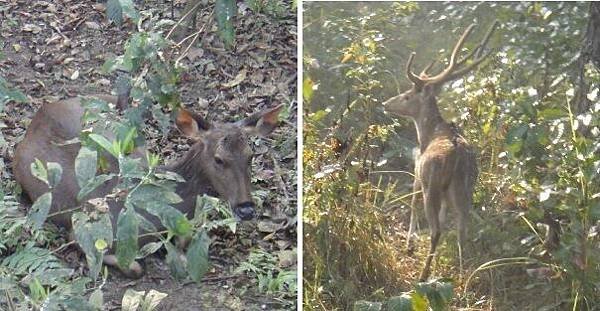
446 169
218 161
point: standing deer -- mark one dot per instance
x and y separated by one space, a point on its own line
446 170
219 161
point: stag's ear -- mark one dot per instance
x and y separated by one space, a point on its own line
191 124
262 123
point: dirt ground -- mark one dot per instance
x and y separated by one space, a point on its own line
55 49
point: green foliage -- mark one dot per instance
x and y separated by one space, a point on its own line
142 301
127 236
225 11
272 8
536 140
338 160
7 94
12 222
271 278
154 77
197 256
117 9
432 295
94 236
39 210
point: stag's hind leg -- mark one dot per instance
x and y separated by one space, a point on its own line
460 199
432 203
413 216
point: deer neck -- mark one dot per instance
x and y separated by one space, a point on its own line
427 121
195 183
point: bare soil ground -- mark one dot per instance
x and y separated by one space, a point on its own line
55 49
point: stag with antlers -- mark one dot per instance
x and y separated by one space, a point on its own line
446 169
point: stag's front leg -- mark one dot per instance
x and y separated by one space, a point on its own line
432 203
413 216
134 271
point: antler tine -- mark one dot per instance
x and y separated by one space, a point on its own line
411 75
479 49
441 76
424 72
478 59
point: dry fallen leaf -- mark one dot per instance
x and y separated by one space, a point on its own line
241 76
92 25
75 75
32 28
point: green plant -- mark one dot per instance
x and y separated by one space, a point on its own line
270 276
432 295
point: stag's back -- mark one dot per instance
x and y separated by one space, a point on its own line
47 139
448 158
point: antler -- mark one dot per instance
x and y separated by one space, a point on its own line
451 71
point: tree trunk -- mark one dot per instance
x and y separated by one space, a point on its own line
590 52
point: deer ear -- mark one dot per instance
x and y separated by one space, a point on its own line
191 124
262 123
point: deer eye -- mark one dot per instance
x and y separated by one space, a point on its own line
219 161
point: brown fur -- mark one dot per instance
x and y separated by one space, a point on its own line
446 169
56 123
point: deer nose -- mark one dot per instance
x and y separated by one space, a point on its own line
245 211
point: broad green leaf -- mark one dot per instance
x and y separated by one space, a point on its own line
85 166
175 262
131 167
515 137
105 144
127 236
39 210
87 233
129 10
97 299
54 173
225 11
152 299
439 294
418 301
38 170
114 11
170 217
112 64
92 185
154 193
307 90
132 300
552 113
399 303
197 256
149 248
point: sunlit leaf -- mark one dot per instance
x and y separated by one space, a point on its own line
39 210
127 237
197 256
87 232
38 170
85 166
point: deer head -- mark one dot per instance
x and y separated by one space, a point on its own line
417 101
222 157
